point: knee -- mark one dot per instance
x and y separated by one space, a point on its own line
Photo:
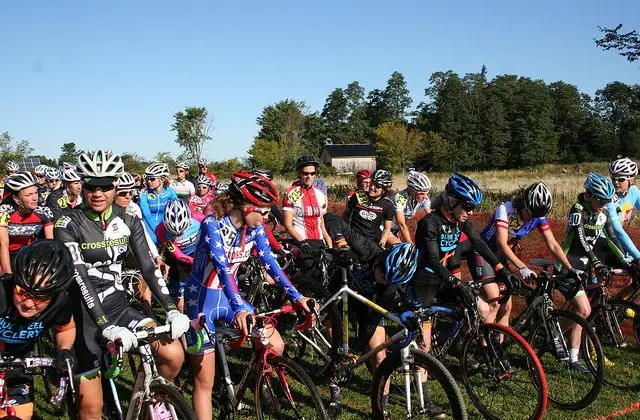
90 407
494 306
507 306
171 355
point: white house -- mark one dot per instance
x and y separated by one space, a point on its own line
349 157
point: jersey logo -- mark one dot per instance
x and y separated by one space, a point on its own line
367 215
63 222
151 196
294 195
574 219
169 246
4 219
401 200
62 202
361 196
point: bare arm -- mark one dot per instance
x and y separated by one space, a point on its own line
386 232
555 248
48 231
404 229
288 225
325 235
66 338
502 240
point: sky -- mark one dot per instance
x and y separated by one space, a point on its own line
111 74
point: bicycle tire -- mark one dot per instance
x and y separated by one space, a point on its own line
393 362
473 370
169 394
286 368
621 363
555 369
329 320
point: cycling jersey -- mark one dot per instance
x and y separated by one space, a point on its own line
409 206
221 249
585 227
184 189
180 248
58 202
318 182
620 213
210 175
24 229
508 217
43 194
152 205
368 216
134 210
307 204
198 205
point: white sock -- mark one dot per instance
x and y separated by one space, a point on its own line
573 355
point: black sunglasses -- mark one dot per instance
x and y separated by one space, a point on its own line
151 178
102 188
619 180
125 193
308 173
466 206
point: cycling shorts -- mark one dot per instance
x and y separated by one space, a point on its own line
178 274
211 302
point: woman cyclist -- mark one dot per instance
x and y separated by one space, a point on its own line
11 168
410 203
204 195
42 184
32 301
22 221
155 198
181 185
363 182
100 236
69 196
52 180
227 237
178 234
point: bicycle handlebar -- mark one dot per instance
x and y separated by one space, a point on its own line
27 363
114 348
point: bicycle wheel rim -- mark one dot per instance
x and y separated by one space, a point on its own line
495 388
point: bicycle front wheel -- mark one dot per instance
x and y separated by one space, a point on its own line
410 393
617 326
568 389
166 402
502 374
285 391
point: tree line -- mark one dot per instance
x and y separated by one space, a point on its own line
465 122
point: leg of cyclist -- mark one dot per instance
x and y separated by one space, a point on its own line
90 400
579 304
203 367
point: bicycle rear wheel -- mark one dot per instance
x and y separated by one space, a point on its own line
569 389
502 374
406 398
617 326
285 391
166 403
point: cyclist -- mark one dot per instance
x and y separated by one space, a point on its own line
371 212
182 186
154 199
304 205
275 217
623 172
363 181
588 228
32 301
178 234
204 170
52 179
67 197
99 237
410 203
11 168
227 238
21 219
42 185
204 195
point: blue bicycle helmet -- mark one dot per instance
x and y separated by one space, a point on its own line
400 263
600 187
464 189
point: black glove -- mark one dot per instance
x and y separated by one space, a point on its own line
468 294
601 270
634 268
61 360
305 248
508 278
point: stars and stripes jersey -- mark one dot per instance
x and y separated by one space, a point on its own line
308 205
24 229
508 217
222 248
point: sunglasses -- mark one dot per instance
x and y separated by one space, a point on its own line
102 188
262 211
181 170
40 176
125 193
619 180
466 206
24 295
203 187
51 180
151 179
308 173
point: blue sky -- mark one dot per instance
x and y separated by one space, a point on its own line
112 74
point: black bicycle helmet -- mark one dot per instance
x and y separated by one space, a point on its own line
537 199
307 160
382 178
44 268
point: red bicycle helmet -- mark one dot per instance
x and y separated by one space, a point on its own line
256 189
363 174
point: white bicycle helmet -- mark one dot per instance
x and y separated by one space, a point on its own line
202 162
182 165
12 166
203 179
537 199
177 217
126 182
67 165
157 169
39 170
70 175
20 181
623 166
223 185
99 163
418 181
52 173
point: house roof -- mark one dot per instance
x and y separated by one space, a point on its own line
350 150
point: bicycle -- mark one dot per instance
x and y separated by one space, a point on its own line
31 365
496 363
617 323
152 397
547 330
404 363
281 388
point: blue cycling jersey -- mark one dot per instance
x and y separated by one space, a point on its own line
507 216
152 205
620 213
188 241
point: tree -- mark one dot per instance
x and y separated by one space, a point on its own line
226 168
568 119
314 134
12 150
335 114
134 163
436 153
165 157
397 96
376 109
192 128
619 105
627 44
398 146
357 126
266 154
69 153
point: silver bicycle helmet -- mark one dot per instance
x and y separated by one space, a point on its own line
177 217
70 175
12 166
99 163
20 181
52 173
157 169
623 166
418 181
126 182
